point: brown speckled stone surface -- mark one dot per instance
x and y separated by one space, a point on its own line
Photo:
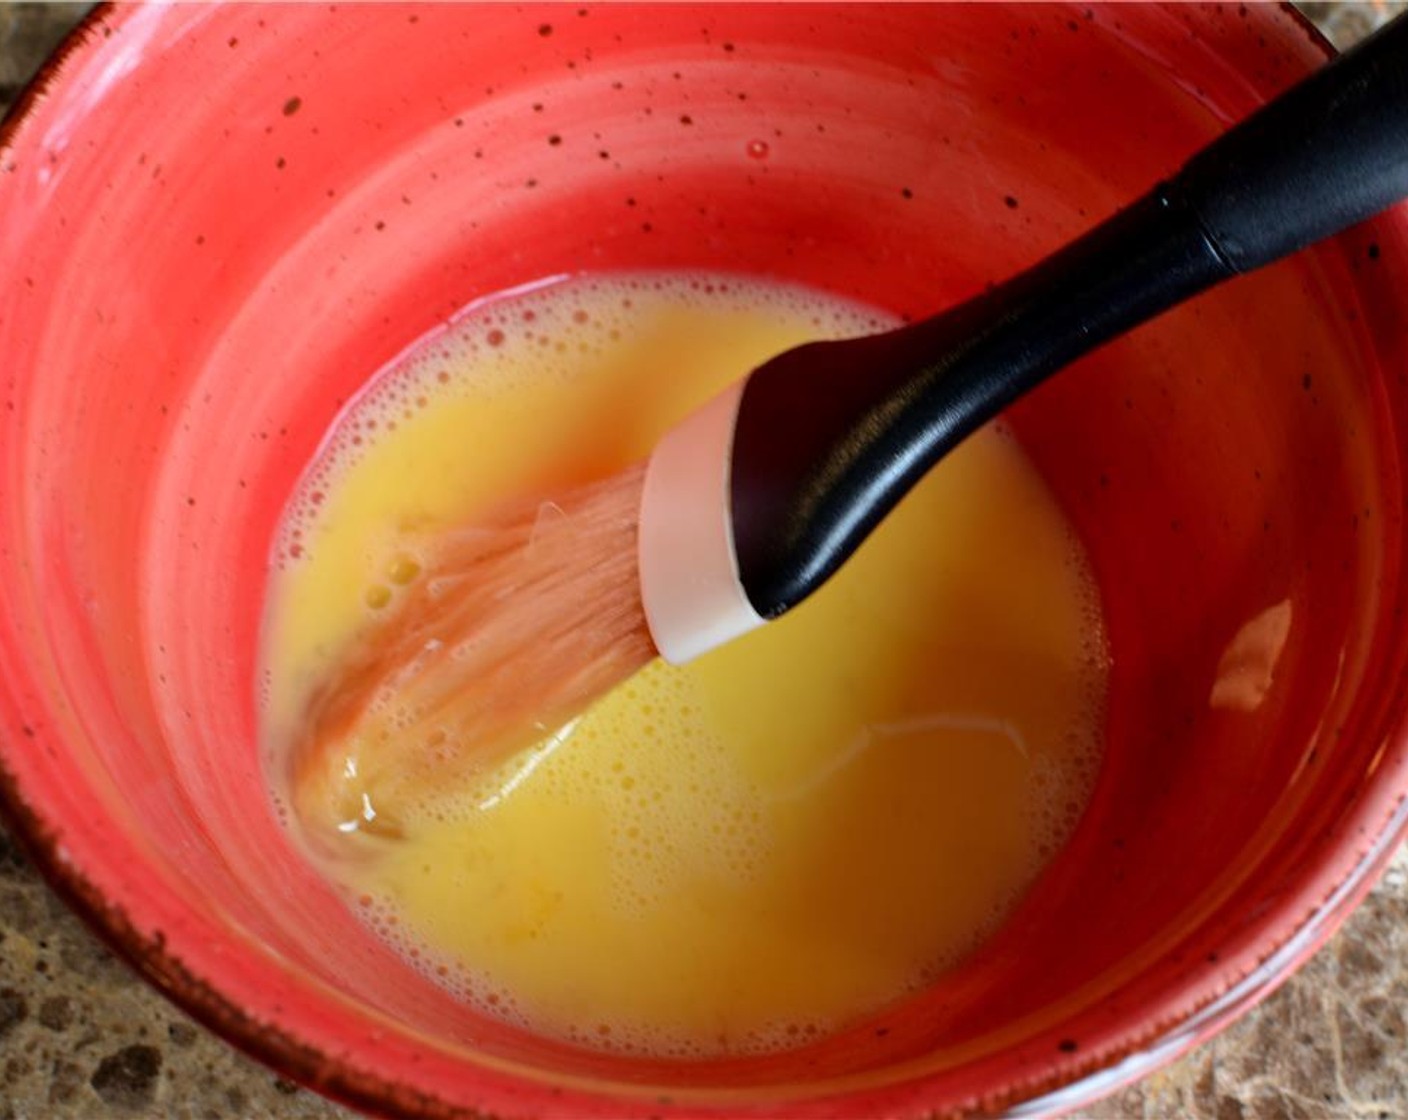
81 1037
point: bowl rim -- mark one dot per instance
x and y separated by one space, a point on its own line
1064 1088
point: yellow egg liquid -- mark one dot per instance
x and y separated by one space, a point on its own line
750 851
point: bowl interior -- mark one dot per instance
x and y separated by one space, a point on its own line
222 220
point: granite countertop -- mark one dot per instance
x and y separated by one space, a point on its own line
81 1036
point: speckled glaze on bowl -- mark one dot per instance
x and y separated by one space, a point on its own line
219 221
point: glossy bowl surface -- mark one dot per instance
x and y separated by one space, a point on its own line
220 220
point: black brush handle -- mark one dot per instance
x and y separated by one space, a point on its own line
830 436
1329 152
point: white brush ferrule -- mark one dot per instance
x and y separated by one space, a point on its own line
688 569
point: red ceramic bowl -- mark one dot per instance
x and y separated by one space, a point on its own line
219 221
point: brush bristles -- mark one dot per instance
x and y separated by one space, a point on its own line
513 629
